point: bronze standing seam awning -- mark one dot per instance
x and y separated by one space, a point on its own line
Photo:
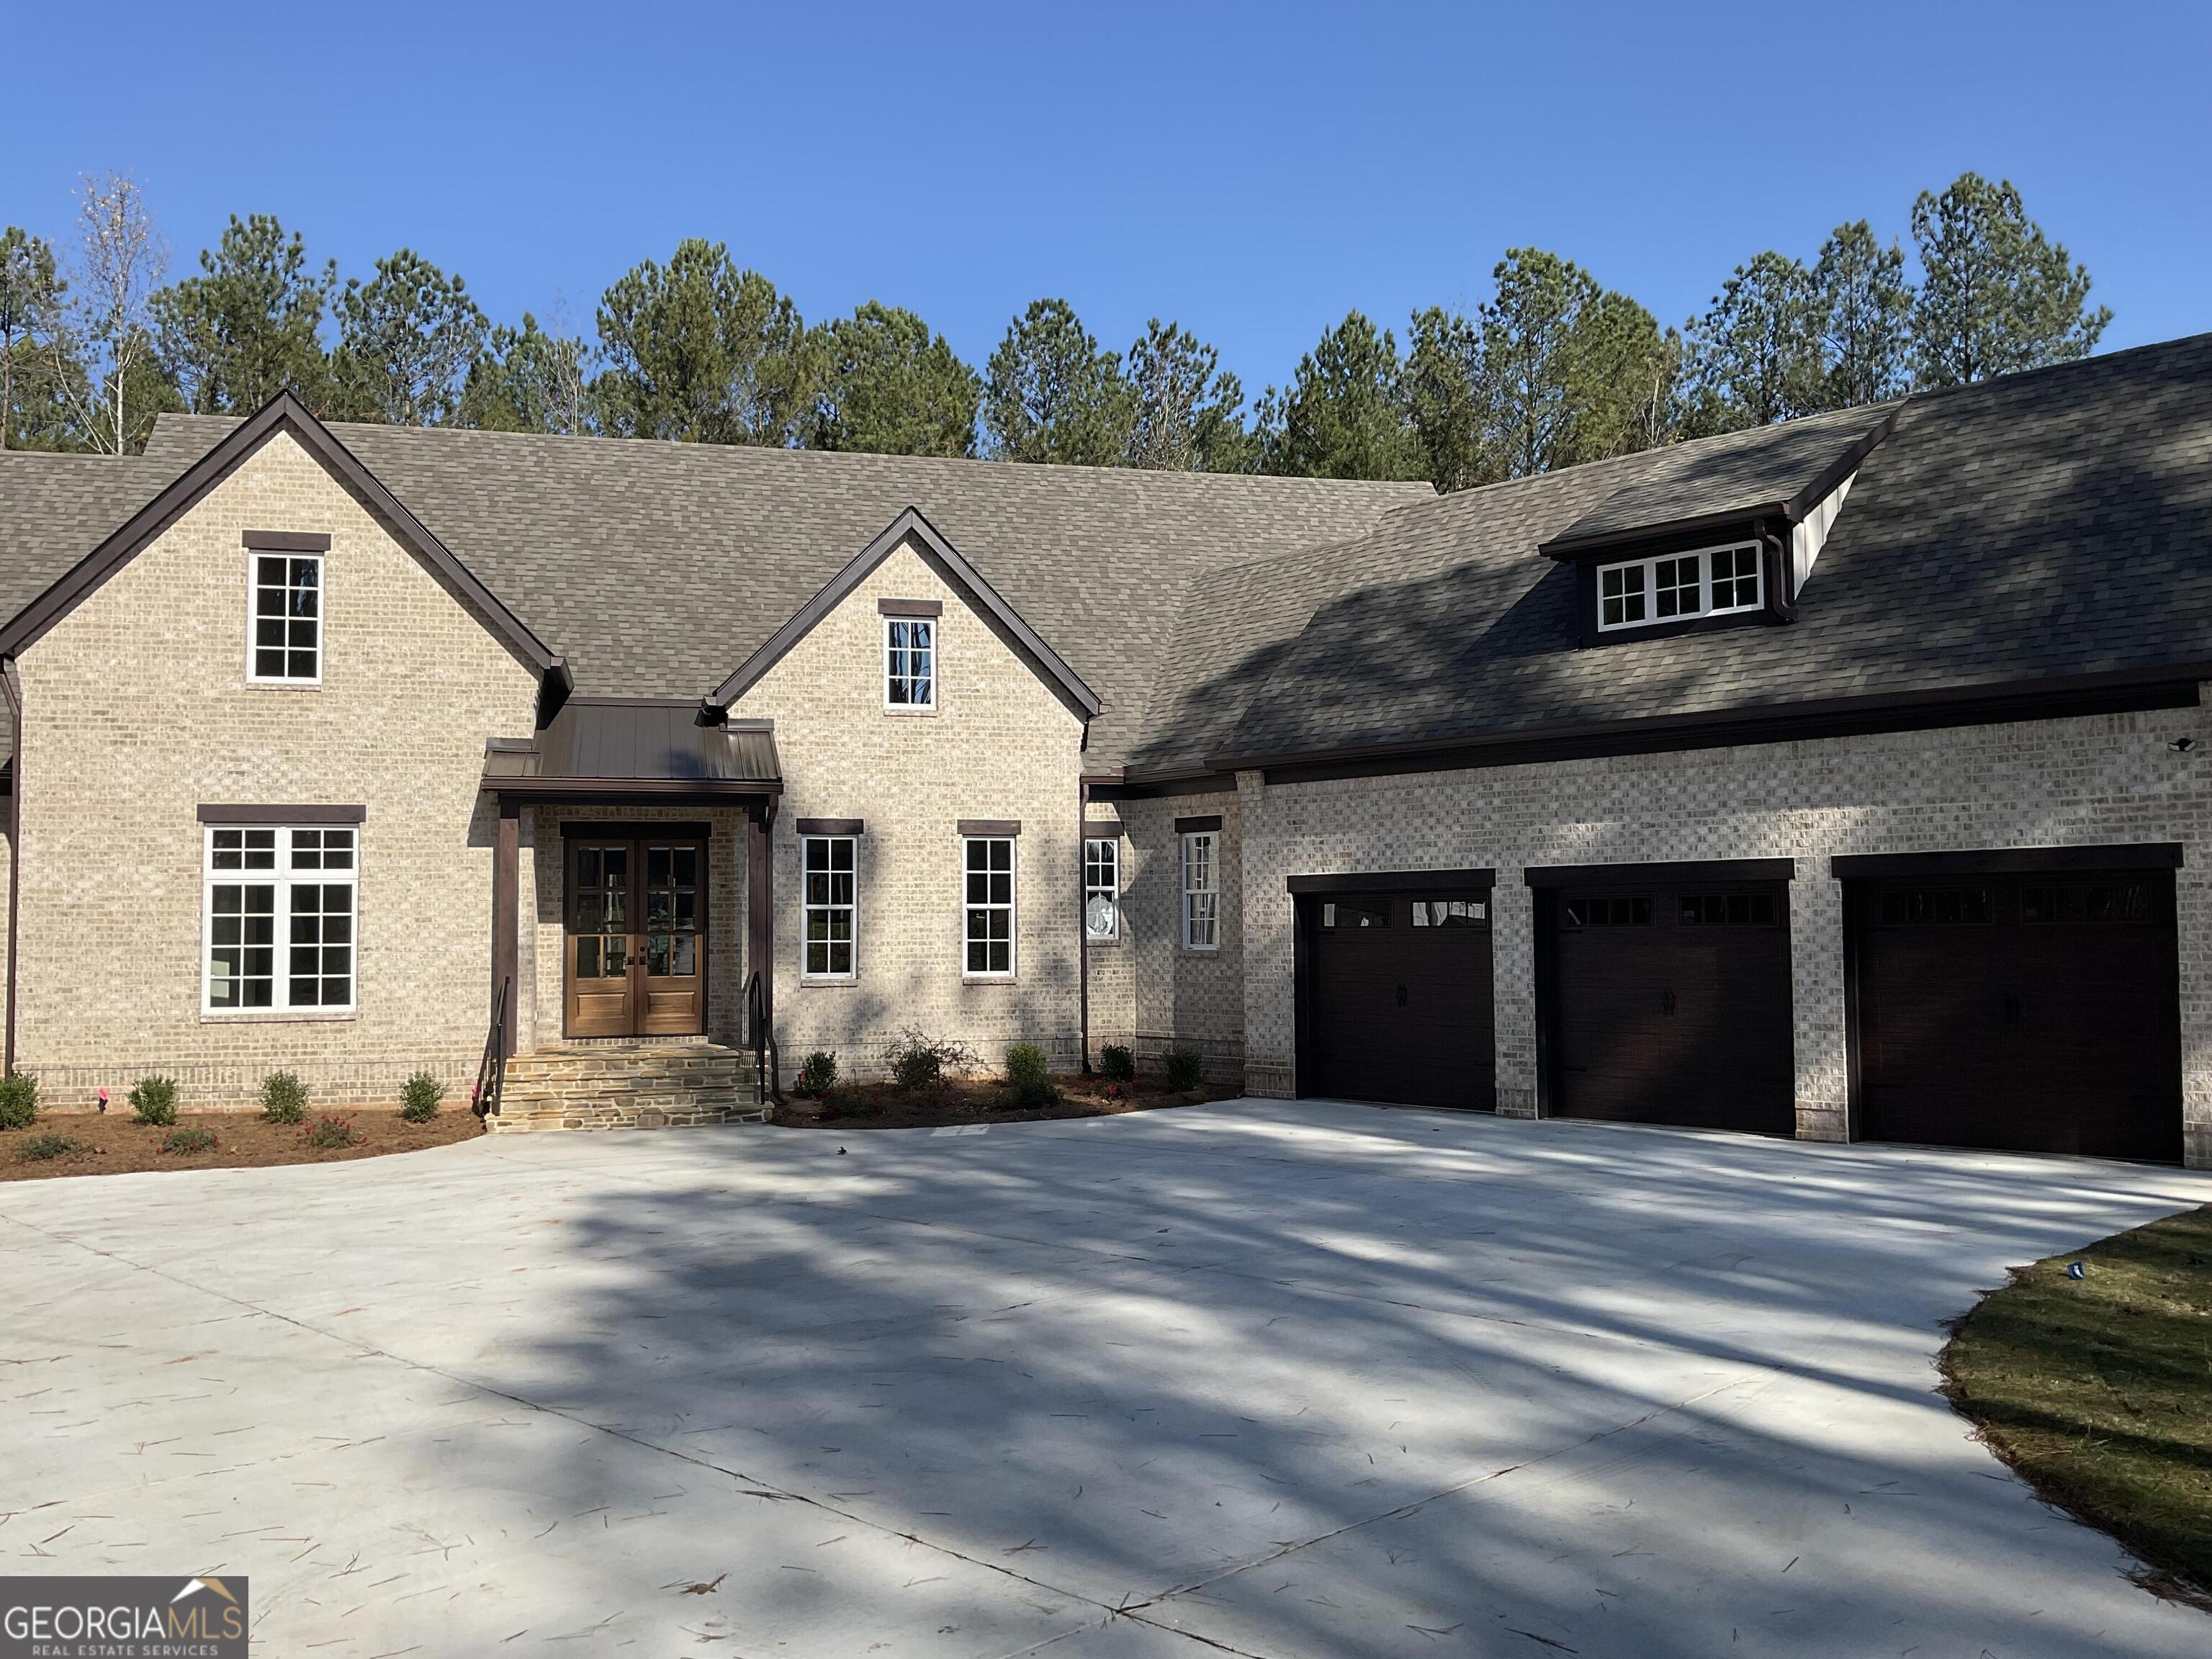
641 750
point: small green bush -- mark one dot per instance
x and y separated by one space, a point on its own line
19 1101
330 1135
154 1100
917 1060
283 1098
419 1097
847 1099
818 1074
1025 1065
1117 1064
189 1140
39 1148
1186 1069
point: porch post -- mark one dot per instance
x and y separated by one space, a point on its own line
760 915
506 913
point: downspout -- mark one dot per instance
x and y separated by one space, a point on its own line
1082 919
12 688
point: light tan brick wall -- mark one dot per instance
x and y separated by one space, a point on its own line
2084 781
137 710
1176 996
1114 962
1001 744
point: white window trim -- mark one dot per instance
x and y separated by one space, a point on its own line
1112 888
1703 556
807 907
253 556
1012 907
936 664
283 876
1212 838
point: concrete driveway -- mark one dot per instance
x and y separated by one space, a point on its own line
1259 1378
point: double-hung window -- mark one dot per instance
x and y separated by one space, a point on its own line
1201 890
288 618
1709 582
1101 887
831 906
909 662
988 924
279 916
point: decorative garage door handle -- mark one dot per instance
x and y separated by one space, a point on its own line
1666 1002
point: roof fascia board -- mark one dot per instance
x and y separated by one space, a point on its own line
283 412
909 525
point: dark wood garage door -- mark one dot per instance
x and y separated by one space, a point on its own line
1670 1003
1396 999
2022 1012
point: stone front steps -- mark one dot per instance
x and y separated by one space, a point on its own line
645 1086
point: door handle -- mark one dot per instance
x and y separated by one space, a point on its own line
1666 1002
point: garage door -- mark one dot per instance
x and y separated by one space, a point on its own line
2023 1011
1668 999
1394 997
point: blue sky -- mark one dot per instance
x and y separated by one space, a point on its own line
1253 170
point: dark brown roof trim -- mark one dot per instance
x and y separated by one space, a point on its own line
1394 881
646 792
1646 875
283 412
1198 825
910 607
2007 703
1165 786
990 826
832 827
286 541
633 830
909 524
213 813
2009 861
1793 509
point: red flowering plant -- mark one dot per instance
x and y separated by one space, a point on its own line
330 1135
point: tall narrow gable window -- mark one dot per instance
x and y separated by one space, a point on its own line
279 919
1101 887
288 618
832 907
1201 890
1709 581
909 662
988 926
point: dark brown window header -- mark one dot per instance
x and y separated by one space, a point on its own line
2010 861
633 829
1396 881
213 813
1199 825
831 827
1641 875
286 541
910 607
990 826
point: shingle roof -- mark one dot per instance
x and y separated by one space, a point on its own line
2048 525
657 568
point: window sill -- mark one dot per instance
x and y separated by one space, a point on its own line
1102 939
283 685
989 979
278 1016
901 712
1198 949
828 981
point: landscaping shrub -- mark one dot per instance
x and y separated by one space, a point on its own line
1117 1063
154 1100
818 1074
846 1100
19 1101
419 1097
1186 1069
39 1148
189 1140
330 1135
917 1060
1025 1070
283 1098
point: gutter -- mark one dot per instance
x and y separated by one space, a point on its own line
11 686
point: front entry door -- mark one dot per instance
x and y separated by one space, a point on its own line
636 936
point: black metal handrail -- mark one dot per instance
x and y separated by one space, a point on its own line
491 1068
763 1040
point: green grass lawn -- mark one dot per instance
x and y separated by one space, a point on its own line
2099 1391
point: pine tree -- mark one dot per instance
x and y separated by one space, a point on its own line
33 414
406 337
250 326
1755 354
529 380
1051 394
1997 295
891 387
1345 413
1189 409
1864 305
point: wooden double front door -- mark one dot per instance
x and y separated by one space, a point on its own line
637 935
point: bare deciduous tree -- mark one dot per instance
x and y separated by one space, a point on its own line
120 261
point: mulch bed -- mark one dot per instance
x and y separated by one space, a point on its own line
2098 1391
967 1100
112 1144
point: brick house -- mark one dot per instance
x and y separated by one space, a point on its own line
1843 778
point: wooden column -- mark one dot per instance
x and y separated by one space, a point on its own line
506 913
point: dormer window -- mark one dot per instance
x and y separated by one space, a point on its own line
1706 581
